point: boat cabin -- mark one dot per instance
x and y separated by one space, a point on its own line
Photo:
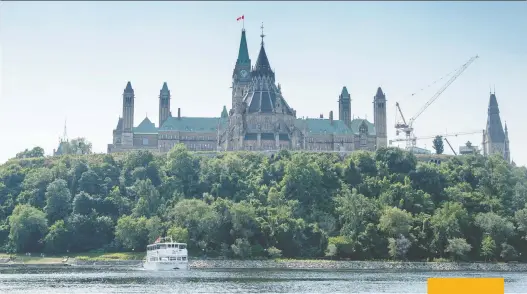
158 246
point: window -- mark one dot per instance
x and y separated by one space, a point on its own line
145 141
363 139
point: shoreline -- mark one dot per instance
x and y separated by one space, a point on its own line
294 264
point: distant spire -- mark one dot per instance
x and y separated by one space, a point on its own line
65 133
164 88
493 102
494 129
262 35
344 91
243 52
379 92
224 113
128 88
262 63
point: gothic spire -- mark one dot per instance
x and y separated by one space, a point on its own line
262 63
128 88
243 52
494 127
379 92
344 92
224 113
164 89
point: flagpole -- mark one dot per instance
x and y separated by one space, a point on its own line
243 22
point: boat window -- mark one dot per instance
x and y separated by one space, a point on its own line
157 246
182 246
163 246
184 258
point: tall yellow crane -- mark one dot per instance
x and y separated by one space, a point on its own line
407 127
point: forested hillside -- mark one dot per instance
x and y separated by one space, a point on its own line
382 205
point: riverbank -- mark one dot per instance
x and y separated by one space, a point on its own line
55 259
361 265
135 260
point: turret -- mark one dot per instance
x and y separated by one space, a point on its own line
495 135
507 153
345 107
164 104
379 118
224 113
127 137
128 108
241 75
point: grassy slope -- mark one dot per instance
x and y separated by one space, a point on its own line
21 258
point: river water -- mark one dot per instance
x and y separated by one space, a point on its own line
120 280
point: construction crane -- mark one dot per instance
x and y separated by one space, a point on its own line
441 135
407 127
449 145
444 136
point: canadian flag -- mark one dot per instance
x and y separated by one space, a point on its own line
157 240
240 18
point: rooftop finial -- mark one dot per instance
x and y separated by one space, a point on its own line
262 35
65 134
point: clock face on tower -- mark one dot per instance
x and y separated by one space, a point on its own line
243 73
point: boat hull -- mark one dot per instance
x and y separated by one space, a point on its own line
165 265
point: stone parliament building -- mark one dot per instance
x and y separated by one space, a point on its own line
260 119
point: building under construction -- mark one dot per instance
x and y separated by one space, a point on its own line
495 137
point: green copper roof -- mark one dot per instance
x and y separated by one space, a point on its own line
224 113
164 89
356 123
194 124
146 127
324 126
128 88
243 53
344 91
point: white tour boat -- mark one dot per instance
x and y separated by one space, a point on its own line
166 255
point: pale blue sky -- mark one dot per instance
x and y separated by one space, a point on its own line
72 60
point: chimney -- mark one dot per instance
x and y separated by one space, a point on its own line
179 113
331 117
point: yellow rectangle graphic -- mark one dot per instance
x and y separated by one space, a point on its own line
466 285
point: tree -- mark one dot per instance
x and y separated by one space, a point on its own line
132 233
58 238
438 145
458 248
368 205
395 222
28 226
58 200
488 247
35 152
398 247
80 146
178 234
